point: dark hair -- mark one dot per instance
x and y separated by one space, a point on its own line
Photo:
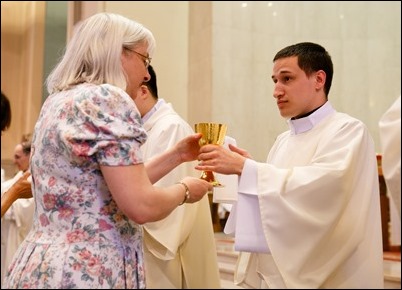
5 112
152 84
311 57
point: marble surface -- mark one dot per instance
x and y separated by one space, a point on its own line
227 257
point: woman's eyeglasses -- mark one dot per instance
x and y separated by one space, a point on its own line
146 59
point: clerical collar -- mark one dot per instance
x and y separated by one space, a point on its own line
305 124
307 114
148 115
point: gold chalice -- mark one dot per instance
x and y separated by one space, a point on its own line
212 133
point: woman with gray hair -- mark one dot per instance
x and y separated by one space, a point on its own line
92 190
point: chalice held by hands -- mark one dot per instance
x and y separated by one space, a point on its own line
212 133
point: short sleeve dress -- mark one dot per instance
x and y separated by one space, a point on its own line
80 238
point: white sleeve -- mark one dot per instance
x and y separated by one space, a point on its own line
249 234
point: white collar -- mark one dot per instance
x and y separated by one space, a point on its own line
305 124
148 115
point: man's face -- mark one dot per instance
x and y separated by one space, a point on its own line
20 158
295 93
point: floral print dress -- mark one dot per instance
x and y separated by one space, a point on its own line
80 238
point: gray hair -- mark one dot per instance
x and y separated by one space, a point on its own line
93 55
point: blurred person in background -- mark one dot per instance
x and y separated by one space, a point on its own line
20 188
390 138
5 121
5 113
179 250
17 221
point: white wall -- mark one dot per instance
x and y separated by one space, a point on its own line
363 38
214 59
168 21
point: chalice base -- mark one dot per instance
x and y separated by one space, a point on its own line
209 176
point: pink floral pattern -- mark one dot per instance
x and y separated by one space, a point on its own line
80 238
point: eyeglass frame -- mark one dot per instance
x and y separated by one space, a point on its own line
147 59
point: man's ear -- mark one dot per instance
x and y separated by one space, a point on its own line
320 79
144 92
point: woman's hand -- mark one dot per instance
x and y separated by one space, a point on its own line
185 150
188 148
197 187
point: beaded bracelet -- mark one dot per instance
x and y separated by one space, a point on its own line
186 194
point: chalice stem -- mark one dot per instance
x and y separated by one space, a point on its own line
209 176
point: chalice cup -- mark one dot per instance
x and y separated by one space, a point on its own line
212 133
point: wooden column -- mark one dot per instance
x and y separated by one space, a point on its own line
385 210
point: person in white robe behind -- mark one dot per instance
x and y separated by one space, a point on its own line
390 136
17 220
179 250
308 217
